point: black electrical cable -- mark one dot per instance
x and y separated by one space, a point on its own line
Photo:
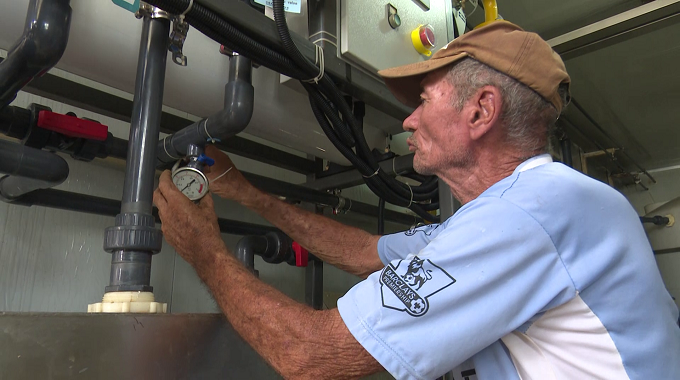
328 105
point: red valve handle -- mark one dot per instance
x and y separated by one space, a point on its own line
72 126
301 255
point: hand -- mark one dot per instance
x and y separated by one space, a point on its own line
190 228
231 185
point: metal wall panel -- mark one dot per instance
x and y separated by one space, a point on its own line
367 39
117 346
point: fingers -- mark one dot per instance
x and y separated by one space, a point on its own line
159 200
168 189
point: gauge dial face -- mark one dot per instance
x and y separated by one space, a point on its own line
191 182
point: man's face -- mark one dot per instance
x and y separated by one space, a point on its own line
440 140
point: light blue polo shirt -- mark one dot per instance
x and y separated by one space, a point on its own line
548 274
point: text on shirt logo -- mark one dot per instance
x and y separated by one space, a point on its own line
407 287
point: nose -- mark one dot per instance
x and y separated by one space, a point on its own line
411 123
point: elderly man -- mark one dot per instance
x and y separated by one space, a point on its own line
543 273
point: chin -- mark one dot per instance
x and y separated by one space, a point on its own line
420 168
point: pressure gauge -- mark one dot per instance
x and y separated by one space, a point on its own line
191 182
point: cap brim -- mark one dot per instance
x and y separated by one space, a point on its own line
404 81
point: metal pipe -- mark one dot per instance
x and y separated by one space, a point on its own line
656 219
28 169
340 204
490 12
38 49
607 135
134 238
314 278
65 200
600 147
239 99
399 165
565 144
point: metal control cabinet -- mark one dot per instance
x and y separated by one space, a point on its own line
368 40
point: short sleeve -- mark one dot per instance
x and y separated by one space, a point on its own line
402 244
488 272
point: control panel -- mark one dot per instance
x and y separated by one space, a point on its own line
381 34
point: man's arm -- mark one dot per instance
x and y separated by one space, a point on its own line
298 341
348 248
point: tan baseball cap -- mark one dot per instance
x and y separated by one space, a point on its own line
502 45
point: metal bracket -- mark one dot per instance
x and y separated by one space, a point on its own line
149 10
180 28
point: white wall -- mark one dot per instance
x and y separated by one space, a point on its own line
666 188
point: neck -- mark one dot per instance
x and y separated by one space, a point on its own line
468 182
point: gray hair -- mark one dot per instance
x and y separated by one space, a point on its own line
527 117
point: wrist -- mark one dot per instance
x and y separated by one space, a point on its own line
211 254
252 198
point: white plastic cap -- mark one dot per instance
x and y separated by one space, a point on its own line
128 302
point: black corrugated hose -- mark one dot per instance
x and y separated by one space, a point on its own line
331 110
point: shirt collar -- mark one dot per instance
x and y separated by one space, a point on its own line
533 162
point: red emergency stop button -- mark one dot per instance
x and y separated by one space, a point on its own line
427 36
423 39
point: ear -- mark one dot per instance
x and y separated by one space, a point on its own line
484 112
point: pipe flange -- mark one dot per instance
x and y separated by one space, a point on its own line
133 238
135 219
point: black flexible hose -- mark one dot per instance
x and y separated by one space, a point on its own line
397 190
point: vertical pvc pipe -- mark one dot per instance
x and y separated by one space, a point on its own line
134 239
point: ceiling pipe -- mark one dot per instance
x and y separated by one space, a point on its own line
612 139
38 49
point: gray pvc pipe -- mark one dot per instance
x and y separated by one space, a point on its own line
29 169
38 49
146 113
131 268
247 247
234 118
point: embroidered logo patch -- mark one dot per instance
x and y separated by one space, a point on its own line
408 286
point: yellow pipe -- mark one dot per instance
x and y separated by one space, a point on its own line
490 12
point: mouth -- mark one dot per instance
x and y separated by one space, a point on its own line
411 146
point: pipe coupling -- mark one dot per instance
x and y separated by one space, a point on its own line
135 232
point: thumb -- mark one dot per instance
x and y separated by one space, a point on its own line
206 202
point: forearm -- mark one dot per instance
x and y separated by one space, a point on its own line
348 248
296 340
